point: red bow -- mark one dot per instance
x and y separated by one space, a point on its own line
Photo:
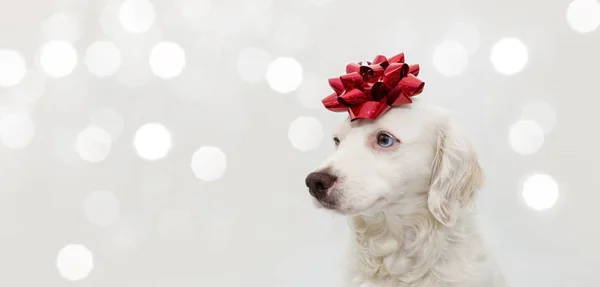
367 91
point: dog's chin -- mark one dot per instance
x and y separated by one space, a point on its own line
349 209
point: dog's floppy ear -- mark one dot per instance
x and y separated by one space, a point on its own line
456 176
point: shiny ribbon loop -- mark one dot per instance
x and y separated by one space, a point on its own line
368 90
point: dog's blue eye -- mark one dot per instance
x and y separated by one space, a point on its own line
385 140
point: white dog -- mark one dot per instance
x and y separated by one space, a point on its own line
408 181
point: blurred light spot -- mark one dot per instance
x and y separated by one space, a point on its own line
16 130
58 58
103 58
284 74
540 192
29 90
466 34
509 56
252 64
209 163
541 113
175 224
584 15
93 144
526 137
312 90
63 26
167 60
305 133
101 208
109 120
74 262
12 68
319 3
291 34
137 16
152 141
450 58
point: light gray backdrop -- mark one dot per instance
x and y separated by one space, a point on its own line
165 143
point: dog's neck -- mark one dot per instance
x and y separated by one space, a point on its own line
410 248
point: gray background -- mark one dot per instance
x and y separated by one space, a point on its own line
91 195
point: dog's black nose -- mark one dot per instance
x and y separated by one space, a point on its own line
318 183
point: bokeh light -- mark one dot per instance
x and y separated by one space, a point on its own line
12 68
16 129
466 34
152 141
526 137
209 163
93 144
137 16
101 208
284 74
509 56
540 192
450 58
305 133
167 60
193 11
103 58
75 262
540 112
583 16
252 64
109 120
58 58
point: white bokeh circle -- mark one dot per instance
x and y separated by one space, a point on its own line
137 16
540 192
12 68
58 58
252 64
509 56
284 74
16 130
93 144
209 163
526 137
101 208
540 112
75 262
305 133
103 58
583 16
29 90
152 141
167 60
450 58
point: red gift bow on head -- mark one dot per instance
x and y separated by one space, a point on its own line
367 91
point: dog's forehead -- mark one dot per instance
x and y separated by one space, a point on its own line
407 122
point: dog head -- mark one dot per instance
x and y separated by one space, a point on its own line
411 155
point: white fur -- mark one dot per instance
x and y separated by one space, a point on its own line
411 205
